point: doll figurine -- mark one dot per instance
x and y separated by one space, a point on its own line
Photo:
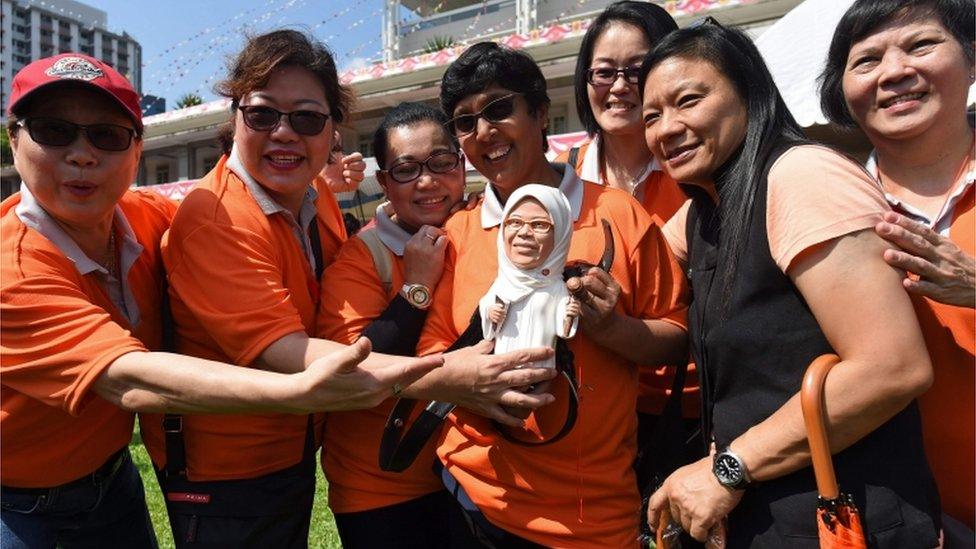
528 305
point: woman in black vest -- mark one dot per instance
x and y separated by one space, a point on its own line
779 245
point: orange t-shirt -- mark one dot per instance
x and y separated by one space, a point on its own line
352 297
949 407
661 197
60 331
239 281
581 490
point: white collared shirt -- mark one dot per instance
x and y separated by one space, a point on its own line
571 185
271 207
392 235
32 214
590 168
942 222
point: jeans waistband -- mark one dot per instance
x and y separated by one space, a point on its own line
105 472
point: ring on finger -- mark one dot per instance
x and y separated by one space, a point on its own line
430 236
397 389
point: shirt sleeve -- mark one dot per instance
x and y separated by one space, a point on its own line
243 317
660 289
814 195
56 342
675 233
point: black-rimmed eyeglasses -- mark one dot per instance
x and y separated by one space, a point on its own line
438 162
606 76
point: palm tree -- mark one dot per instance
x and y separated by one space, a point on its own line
439 43
188 100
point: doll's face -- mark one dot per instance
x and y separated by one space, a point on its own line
528 234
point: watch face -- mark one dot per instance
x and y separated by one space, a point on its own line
419 295
727 470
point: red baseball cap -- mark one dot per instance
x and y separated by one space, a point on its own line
77 69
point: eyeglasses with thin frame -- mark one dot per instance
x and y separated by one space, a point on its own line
439 162
606 76
495 111
537 226
55 132
262 118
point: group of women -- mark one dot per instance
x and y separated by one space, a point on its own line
733 236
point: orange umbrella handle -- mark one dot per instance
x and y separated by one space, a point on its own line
812 401
661 542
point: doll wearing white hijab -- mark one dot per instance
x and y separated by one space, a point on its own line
528 305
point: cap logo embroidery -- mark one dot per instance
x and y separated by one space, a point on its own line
75 68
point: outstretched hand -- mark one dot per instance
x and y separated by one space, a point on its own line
488 384
944 272
338 382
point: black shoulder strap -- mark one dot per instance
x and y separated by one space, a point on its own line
172 423
316 241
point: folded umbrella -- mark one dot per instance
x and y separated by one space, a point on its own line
838 521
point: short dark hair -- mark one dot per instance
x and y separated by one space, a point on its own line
407 114
769 127
863 18
251 69
487 63
653 20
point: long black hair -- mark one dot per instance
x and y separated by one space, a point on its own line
770 125
653 20
865 17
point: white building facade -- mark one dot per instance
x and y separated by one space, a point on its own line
181 145
33 29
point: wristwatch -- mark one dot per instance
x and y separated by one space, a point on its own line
416 295
730 470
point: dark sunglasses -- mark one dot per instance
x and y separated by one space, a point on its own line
439 162
55 132
606 76
265 119
496 111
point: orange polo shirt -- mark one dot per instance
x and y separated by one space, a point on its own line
59 330
579 491
352 297
949 407
239 281
661 198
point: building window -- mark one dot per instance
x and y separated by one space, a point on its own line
365 145
557 124
162 174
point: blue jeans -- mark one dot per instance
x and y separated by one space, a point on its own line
104 511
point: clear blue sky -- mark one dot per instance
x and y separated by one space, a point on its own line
185 43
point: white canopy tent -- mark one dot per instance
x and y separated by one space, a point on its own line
795 50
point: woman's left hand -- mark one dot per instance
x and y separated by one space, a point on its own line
945 273
598 293
695 498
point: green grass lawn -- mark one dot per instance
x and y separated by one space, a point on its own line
322 533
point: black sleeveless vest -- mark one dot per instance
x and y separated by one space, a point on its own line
751 357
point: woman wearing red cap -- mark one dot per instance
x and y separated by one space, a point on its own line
79 301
